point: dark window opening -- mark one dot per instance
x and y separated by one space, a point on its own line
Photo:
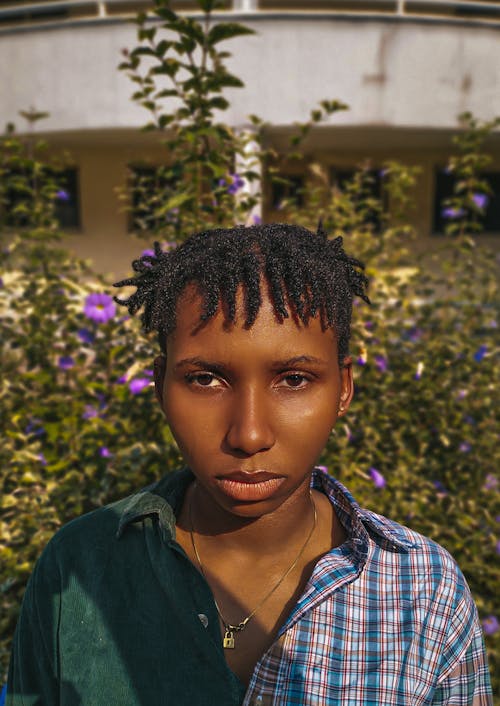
443 189
19 197
371 190
150 187
289 187
68 201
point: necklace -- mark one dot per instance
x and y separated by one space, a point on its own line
229 629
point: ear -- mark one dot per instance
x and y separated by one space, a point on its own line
346 386
159 369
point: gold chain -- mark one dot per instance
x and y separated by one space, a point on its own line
229 630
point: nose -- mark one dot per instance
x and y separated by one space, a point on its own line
249 428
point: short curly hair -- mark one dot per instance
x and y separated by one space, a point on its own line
307 274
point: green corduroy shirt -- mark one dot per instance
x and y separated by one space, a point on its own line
115 613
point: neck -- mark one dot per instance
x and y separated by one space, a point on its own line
252 536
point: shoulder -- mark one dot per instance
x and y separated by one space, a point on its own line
116 528
430 562
430 576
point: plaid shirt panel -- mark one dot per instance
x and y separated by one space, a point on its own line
386 619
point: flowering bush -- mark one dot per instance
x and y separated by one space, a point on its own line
81 426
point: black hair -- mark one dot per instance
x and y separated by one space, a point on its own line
307 275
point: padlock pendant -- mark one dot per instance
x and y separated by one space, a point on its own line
228 642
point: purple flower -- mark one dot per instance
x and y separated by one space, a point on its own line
148 253
257 220
440 487
491 625
490 482
469 420
415 335
62 195
378 479
138 384
461 394
323 469
363 356
480 201
65 362
85 335
381 363
90 412
368 325
149 373
419 370
99 307
33 428
464 447
42 459
104 452
480 353
122 380
451 213
233 184
169 245
172 215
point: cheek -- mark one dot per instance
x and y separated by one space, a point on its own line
192 425
307 420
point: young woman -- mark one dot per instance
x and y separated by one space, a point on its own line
250 576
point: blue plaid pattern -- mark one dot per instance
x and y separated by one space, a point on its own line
386 619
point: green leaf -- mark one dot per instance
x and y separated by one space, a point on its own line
218 102
206 5
162 47
168 67
228 80
191 30
165 13
146 33
227 30
165 120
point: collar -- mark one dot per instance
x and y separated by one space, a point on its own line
162 501
362 526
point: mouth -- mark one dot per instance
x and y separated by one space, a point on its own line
249 486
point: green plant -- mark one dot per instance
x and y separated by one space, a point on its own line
79 428
465 209
181 76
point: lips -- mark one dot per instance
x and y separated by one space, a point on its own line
249 486
249 476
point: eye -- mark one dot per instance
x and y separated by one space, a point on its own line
203 380
294 380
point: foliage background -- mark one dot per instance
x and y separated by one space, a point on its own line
80 423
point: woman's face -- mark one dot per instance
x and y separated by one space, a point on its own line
250 408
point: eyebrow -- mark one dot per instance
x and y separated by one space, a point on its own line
216 365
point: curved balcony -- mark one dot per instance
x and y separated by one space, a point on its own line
407 69
400 64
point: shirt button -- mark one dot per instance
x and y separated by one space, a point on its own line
203 619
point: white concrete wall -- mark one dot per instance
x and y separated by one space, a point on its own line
394 73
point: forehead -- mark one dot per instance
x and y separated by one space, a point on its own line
268 336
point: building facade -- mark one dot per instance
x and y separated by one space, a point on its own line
406 69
